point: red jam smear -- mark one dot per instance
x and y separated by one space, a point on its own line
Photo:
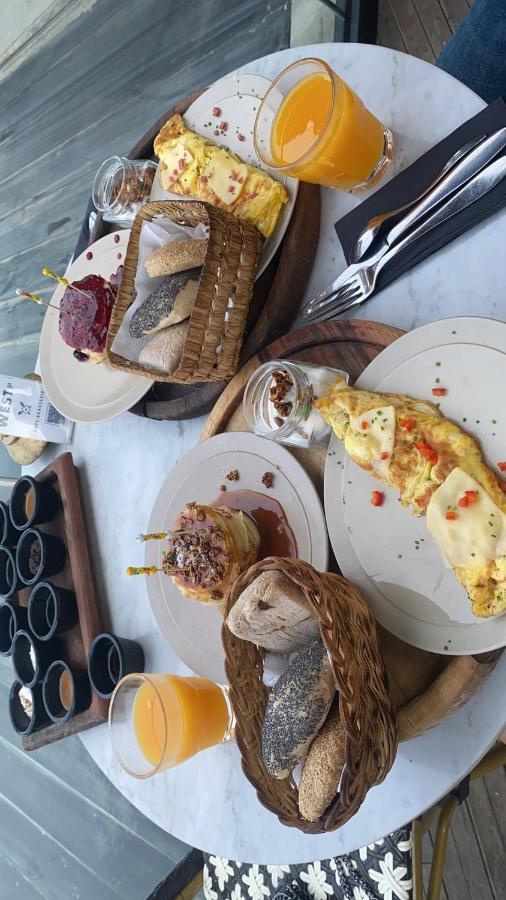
89 255
85 313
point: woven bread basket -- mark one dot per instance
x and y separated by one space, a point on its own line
214 339
348 630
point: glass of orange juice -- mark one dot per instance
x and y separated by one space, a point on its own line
158 721
312 125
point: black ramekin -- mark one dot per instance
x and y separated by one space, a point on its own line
12 618
45 502
29 670
81 698
51 610
51 551
10 582
23 722
110 658
8 534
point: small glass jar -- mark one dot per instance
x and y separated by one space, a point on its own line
121 186
291 417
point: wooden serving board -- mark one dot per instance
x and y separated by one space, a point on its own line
276 299
426 687
77 575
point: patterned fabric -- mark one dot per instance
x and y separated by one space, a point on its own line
380 871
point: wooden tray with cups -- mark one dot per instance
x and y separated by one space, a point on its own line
50 613
396 690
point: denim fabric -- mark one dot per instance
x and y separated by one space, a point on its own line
476 54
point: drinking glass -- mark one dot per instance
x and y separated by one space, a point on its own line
312 125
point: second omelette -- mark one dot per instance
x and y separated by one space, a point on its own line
439 472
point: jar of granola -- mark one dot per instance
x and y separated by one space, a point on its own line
121 186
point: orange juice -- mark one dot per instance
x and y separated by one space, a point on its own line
175 717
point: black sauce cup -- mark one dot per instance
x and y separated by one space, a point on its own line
44 507
8 534
51 691
24 721
10 581
31 658
39 555
51 610
110 658
12 618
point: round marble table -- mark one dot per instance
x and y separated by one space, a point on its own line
207 801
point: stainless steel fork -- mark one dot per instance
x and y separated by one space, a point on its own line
361 280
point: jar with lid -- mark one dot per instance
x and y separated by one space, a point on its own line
278 402
121 186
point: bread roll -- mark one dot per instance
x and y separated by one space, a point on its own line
323 767
296 709
163 353
168 304
176 256
272 612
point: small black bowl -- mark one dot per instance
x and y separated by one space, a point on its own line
31 658
8 534
110 658
12 618
10 582
24 721
39 555
44 502
51 610
80 697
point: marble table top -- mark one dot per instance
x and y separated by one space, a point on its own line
207 801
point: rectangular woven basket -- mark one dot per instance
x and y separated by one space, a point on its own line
217 323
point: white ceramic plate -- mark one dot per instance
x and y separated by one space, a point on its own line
412 593
238 97
81 391
193 628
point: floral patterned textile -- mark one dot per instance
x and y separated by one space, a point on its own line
380 871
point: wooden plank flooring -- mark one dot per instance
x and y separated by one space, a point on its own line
419 27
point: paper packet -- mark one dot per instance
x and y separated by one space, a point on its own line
25 411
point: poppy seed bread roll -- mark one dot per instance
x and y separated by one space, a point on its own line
170 303
297 708
323 767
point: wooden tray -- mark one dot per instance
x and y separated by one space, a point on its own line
426 687
277 296
77 575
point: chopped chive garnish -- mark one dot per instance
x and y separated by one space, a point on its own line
438 363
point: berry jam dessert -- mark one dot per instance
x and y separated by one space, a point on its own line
85 313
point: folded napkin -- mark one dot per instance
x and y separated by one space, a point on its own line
412 181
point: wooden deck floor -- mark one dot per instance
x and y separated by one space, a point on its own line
419 27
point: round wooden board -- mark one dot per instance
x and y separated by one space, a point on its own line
277 294
426 687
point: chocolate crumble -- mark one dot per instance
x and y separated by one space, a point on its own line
233 475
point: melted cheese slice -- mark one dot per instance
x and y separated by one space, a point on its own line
223 174
173 155
377 438
477 535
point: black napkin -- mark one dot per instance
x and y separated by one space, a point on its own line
412 181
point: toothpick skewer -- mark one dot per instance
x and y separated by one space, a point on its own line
63 281
143 570
36 299
155 536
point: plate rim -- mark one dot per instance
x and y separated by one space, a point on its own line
101 247
397 353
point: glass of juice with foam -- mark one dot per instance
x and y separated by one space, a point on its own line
159 721
312 125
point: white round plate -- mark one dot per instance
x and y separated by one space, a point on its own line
385 551
238 97
86 392
192 628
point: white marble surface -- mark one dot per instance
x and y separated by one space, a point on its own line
207 801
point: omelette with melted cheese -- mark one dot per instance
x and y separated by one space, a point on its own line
439 472
195 166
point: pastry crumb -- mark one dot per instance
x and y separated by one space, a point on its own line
233 475
223 487
268 479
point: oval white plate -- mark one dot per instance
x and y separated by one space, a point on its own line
192 628
238 97
81 391
412 593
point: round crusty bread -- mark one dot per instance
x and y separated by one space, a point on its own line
322 769
176 256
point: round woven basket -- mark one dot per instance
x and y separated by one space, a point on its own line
349 631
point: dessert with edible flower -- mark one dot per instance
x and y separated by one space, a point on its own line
439 472
196 166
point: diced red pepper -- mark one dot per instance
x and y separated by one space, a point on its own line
364 426
216 132
463 501
408 424
427 451
421 501
223 126
180 163
384 455
451 515
438 391
231 188
377 498
472 496
216 111
502 485
240 137
502 466
204 179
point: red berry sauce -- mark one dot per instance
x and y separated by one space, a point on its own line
84 317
